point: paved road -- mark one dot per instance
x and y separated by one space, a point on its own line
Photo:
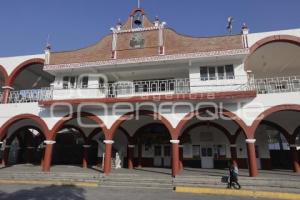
28 192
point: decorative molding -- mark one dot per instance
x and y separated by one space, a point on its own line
250 141
159 58
135 30
49 142
7 87
233 145
131 146
175 141
108 141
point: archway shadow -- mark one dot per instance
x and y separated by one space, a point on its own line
66 192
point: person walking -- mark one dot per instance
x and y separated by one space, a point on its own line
233 177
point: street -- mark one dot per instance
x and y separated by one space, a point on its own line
30 192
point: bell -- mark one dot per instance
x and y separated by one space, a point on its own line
137 20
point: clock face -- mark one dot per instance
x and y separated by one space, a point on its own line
137 40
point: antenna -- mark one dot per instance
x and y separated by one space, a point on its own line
230 24
48 45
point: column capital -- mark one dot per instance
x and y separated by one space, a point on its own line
108 141
233 145
250 141
175 141
49 142
131 146
7 87
181 146
7 146
86 146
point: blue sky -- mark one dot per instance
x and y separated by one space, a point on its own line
72 24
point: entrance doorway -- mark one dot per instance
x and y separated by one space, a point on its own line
207 159
162 155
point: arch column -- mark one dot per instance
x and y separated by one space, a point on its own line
5 156
140 154
295 158
107 156
175 157
48 155
6 92
85 158
180 158
130 155
251 157
233 153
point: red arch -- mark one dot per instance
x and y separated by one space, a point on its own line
127 116
67 126
59 125
213 124
268 112
284 132
4 74
224 112
17 118
97 130
294 136
21 66
270 39
16 135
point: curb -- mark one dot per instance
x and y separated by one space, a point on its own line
59 183
249 193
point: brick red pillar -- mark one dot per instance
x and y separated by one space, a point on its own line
130 155
85 158
140 154
5 156
6 91
295 158
180 157
107 156
48 155
233 154
175 157
251 157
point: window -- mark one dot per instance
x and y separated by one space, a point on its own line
203 73
66 82
229 72
221 74
69 82
85 82
101 82
217 72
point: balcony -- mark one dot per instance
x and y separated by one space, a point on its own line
127 89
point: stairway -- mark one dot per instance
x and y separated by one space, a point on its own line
136 181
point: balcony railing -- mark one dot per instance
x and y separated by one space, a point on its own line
159 87
29 96
277 84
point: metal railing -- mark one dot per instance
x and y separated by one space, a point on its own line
277 84
160 87
29 96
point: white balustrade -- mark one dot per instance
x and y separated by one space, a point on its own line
160 87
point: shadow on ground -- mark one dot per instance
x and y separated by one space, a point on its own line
66 192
